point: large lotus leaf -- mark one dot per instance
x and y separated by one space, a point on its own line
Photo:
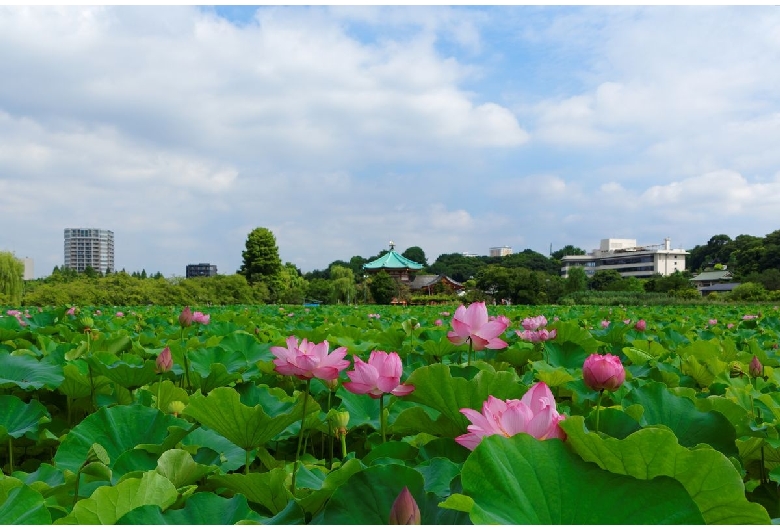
202 359
316 499
362 408
134 462
417 419
231 456
18 418
112 344
28 373
266 489
377 488
76 384
571 332
217 376
435 387
691 426
438 474
126 374
118 429
178 466
108 503
20 504
522 480
203 508
168 392
551 375
46 474
707 475
247 344
247 427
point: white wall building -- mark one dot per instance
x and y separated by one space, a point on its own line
29 272
629 259
89 247
497 252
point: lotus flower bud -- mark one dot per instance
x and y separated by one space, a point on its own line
340 422
755 367
176 407
186 317
405 509
332 384
641 325
86 323
736 370
603 372
164 360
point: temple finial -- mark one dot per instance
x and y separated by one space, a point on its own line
392 245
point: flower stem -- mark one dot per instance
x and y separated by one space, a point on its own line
330 433
382 416
186 362
300 435
246 467
159 387
471 347
11 455
598 408
343 438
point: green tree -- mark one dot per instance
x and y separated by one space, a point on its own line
383 288
343 284
261 259
576 280
417 255
11 279
568 250
497 281
601 280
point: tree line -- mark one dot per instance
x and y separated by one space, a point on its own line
526 277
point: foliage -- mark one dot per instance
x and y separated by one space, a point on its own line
261 259
383 288
11 283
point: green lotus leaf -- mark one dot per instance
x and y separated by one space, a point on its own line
117 429
707 475
28 373
551 375
76 383
230 456
178 466
402 451
266 489
45 474
108 503
522 480
123 373
572 332
316 500
247 427
202 359
204 508
680 414
168 392
435 387
21 504
133 462
438 474
18 418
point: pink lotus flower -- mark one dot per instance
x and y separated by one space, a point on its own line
164 361
472 325
200 318
534 413
541 335
185 317
444 313
755 367
603 372
120 314
71 311
381 375
749 317
309 360
627 321
729 325
605 323
438 322
405 509
501 318
641 325
533 323
712 321
98 312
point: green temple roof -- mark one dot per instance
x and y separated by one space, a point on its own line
392 260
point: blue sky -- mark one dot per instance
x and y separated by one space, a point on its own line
340 128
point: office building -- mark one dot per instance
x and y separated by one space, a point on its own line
625 257
497 252
201 269
89 247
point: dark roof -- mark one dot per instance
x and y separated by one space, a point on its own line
394 261
720 287
421 281
710 276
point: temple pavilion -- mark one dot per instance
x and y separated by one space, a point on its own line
393 264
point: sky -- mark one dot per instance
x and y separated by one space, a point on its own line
451 128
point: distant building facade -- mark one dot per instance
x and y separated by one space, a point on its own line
629 259
89 247
29 272
201 269
497 252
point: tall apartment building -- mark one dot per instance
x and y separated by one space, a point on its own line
201 269
497 252
29 271
89 247
625 257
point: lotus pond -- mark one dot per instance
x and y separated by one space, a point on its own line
129 416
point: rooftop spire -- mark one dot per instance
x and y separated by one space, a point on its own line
392 245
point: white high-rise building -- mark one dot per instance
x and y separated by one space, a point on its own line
628 259
89 247
498 252
29 272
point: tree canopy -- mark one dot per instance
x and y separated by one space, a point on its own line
11 278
